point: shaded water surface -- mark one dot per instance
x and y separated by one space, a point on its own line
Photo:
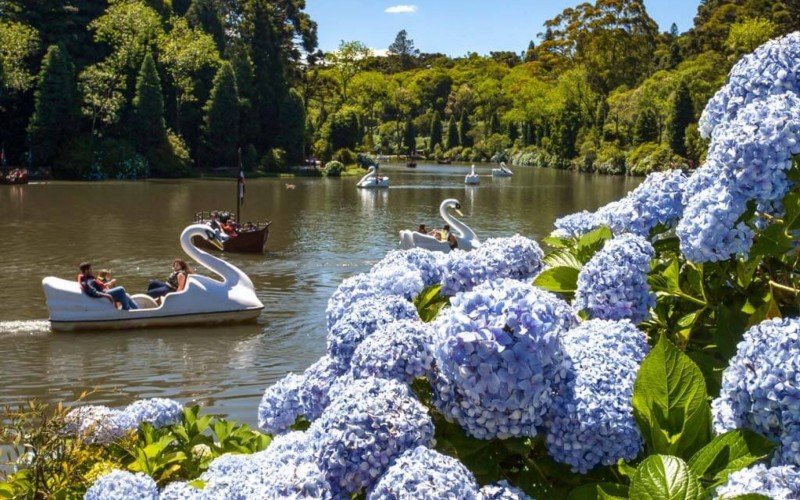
323 231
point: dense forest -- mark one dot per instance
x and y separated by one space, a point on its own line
126 88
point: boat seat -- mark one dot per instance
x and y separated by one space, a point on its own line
145 301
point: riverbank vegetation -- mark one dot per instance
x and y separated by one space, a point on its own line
131 88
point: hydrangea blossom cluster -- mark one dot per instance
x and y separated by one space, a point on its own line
516 257
577 224
180 490
710 230
656 201
613 284
591 421
399 350
368 425
122 485
502 491
425 473
361 320
284 470
280 405
758 389
295 396
428 264
499 357
389 280
101 425
777 483
774 68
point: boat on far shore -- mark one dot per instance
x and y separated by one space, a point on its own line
14 176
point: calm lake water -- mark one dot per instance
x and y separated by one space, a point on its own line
323 231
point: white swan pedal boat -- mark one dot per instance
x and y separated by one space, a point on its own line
204 300
371 181
466 237
472 178
503 171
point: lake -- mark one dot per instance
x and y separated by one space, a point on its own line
323 231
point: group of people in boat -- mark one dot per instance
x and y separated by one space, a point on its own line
444 234
224 225
103 286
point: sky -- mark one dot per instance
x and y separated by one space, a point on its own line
457 27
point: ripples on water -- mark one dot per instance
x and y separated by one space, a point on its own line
323 231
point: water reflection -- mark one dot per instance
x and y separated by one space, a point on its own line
323 231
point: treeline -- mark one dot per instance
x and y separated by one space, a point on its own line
600 89
124 88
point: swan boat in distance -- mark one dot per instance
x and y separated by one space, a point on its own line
467 239
472 178
204 301
371 181
503 171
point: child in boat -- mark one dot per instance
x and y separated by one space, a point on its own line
97 289
175 283
104 276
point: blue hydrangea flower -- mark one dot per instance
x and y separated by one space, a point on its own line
394 280
428 264
280 405
399 350
361 320
122 485
709 231
656 201
158 412
180 490
759 390
366 427
422 473
777 483
576 225
290 448
502 491
498 356
774 68
516 257
613 284
591 420
98 424
756 148
462 272
317 381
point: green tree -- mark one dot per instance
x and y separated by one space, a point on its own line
56 108
452 133
744 37
646 128
410 137
347 60
343 130
249 128
681 115
205 15
221 124
403 48
147 127
17 43
436 130
293 119
464 138
513 132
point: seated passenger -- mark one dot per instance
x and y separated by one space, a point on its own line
449 237
216 225
228 226
97 289
104 276
422 229
175 283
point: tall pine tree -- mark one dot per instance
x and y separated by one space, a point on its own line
410 137
452 133
147 126
249 129
205 15
57 106
463 131
646 127
293 126
681 115
221 124
436 130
